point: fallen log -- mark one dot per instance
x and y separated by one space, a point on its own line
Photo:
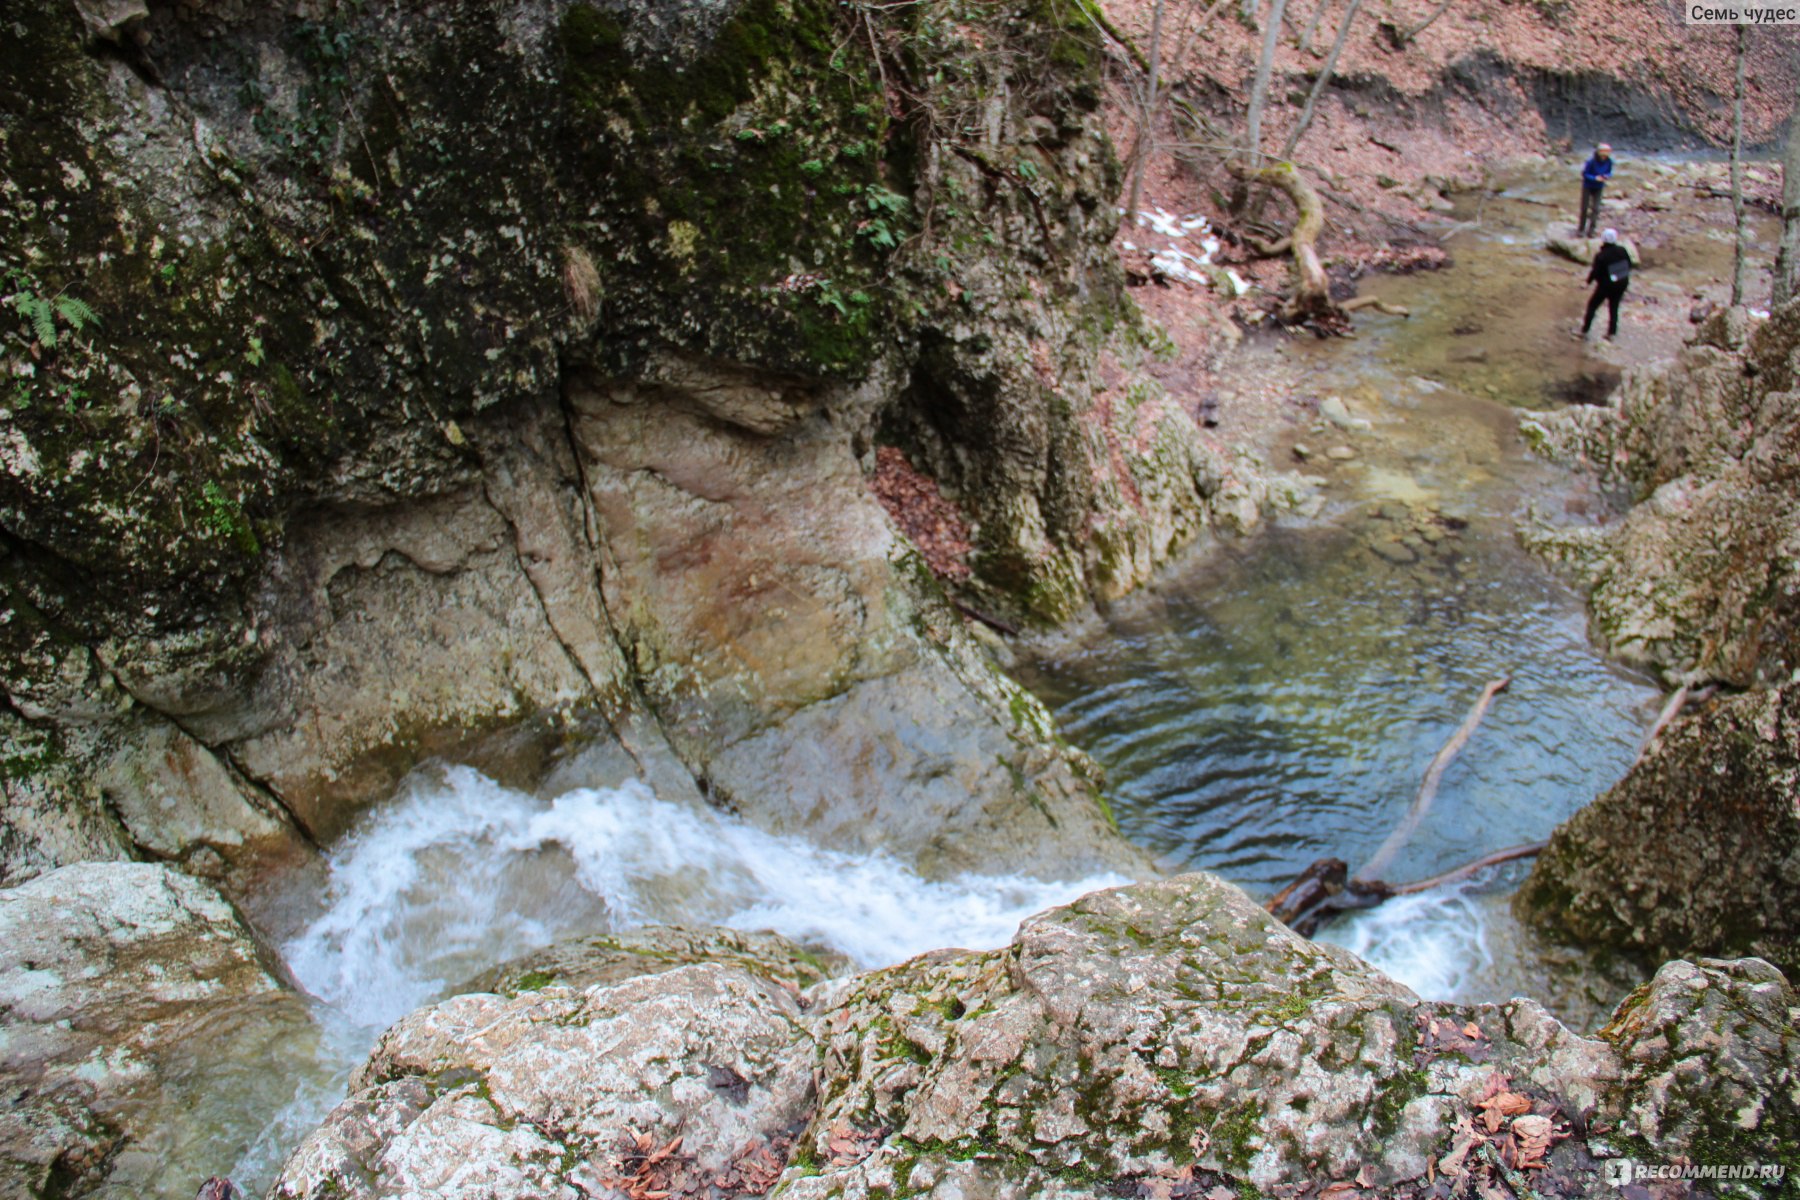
1434 774
1323 890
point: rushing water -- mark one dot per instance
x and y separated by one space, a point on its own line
459 873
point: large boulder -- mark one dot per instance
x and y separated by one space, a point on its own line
132 1000
1696 850
1167 1039
686 1075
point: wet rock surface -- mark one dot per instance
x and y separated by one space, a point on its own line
1161 1040
115 979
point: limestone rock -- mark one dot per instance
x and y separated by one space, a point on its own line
1710 1062
615 957
121 984
1696 850
1164 1039
547 450
1561 242
548 1094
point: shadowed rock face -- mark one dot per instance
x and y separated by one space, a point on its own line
1697 850
1164 1039
483 384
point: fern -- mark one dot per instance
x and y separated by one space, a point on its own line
76 312
38 311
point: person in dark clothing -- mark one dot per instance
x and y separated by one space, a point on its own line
1610 275
1593 184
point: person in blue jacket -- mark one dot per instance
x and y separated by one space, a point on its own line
1593 184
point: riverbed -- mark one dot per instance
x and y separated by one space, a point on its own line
1264 703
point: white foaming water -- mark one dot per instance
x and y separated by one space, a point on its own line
1435 943
461 873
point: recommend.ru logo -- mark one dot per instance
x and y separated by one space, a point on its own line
1621 1171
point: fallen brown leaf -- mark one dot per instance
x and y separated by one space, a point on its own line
1496 1108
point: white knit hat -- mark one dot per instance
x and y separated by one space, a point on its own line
1609 236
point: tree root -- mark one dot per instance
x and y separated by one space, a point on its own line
1311 301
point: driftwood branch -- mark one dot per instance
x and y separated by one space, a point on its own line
1510 854
1324 890
994 623
1380 306
1434 774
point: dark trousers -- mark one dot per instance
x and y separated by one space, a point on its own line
1612 294
1589 222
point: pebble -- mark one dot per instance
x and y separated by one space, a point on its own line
1394 552
1333 409
1341 453
1302 451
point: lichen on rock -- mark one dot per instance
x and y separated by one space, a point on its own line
1164 1039
1697 850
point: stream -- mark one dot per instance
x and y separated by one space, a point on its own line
1264 703
1277 701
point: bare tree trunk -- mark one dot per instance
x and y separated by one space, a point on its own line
1318 87
1259 89
1312 27
1787 259
1145 145
1737 169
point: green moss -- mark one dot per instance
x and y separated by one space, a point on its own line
1396 1093
1234 1134
532 981
749 172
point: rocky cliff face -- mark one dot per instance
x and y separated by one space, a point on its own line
487 383
1168 1040
1697 850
